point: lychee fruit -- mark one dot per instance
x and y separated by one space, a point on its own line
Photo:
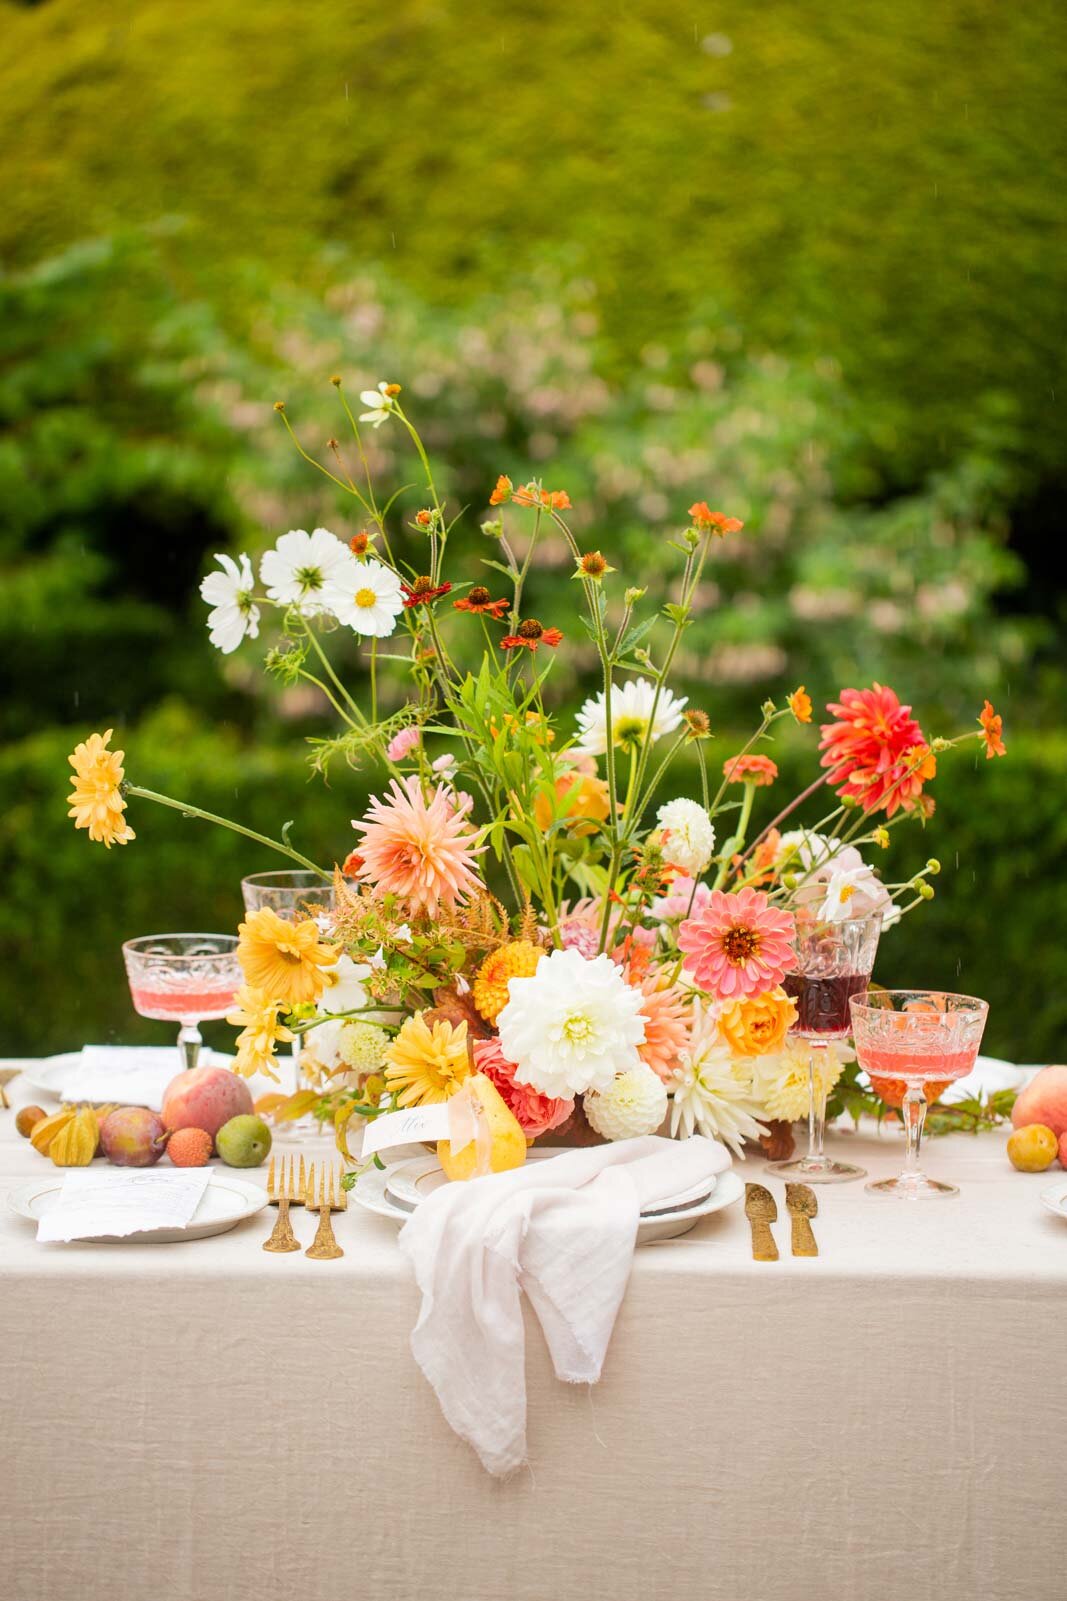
189 1147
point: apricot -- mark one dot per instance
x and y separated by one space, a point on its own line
1033 1148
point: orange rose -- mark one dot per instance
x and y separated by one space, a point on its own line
759 1024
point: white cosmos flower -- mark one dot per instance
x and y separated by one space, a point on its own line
633 1104
857 892
370 600
809 850
572 1026
344 990
229 593
380 405
301 566
710 1096
689 835
631 714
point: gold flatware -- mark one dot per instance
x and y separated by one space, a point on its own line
284 1189
802 1207
6 1075
331 1198
761 1211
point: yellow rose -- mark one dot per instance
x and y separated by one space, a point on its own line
759 1024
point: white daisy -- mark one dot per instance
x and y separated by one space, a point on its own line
572 1026
631 714
709 1096
633 1104
688 835
229 593
345 991
301 566
370 599
380 403
857 892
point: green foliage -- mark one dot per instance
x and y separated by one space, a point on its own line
993 929
876 181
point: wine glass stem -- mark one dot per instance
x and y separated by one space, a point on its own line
914 1111
189 1043
816 1106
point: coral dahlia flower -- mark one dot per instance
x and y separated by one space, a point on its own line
875 750
737 945
423 851
667 1017
537 1114
758 770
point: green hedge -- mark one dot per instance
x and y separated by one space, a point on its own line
994 928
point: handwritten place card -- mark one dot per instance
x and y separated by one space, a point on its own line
407 1127
122 1203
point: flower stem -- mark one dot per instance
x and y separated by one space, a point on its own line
188 810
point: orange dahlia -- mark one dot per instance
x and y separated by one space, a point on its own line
490 988
875 750
667 1016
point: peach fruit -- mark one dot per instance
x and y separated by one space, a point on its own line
205 1097
1044 1100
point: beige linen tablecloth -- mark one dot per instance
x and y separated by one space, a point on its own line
890 1420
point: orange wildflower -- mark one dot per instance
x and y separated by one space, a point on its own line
479 600
714 521
502 492
758 770
800 704
531 634
422 590
534 495
360 543
992 728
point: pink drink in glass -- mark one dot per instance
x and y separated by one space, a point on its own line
174 1005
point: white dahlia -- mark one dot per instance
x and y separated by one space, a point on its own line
631 715
780 1081
688 835
229 594
633 1104
710 1095
302 566
572 1026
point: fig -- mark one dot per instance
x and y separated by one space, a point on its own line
132 1136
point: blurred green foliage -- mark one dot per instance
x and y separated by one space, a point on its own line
878 181
993 929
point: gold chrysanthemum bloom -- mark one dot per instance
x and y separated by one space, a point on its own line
759 1023
426 1064
96 801
284 959
490 988
257 1018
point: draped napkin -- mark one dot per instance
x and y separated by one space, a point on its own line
563 1230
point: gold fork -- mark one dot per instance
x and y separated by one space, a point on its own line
802 1207
284 1189
331 1198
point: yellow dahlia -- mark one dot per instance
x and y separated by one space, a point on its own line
257 1018
759 1023
96 801
284 959
427 1063
490 989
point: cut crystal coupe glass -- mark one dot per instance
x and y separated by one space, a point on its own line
183 978
833 962
918 1041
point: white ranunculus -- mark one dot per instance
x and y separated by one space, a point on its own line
688 836
229 594
369 601
633 1104
302 566
631 714
572 1026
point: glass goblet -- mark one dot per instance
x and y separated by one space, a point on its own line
183 978
916 1038
834 961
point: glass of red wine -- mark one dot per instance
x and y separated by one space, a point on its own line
834 961
185 979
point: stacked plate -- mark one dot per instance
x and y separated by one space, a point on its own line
397 1191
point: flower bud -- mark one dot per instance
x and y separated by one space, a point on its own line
939 744
849 802
933 865
336 380
279 405
926 891
632 596
493 530
790 880
768 708
881 837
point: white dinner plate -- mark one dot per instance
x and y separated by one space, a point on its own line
1055 1198
409 1183
46 1075
225 1202
371 1192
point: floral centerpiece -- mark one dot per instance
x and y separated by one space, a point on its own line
525 899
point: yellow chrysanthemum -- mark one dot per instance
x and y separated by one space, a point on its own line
96 801
490 989
759 1023
284 959
257 1018
425 1063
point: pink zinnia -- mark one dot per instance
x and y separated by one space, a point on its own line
403 744
537 1113
875 750
422 851
737 945
667 1017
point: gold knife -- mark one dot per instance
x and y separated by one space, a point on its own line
761 1211
802 1207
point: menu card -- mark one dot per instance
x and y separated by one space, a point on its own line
122 1202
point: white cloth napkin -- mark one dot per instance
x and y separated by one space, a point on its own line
563 1230
133 1075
